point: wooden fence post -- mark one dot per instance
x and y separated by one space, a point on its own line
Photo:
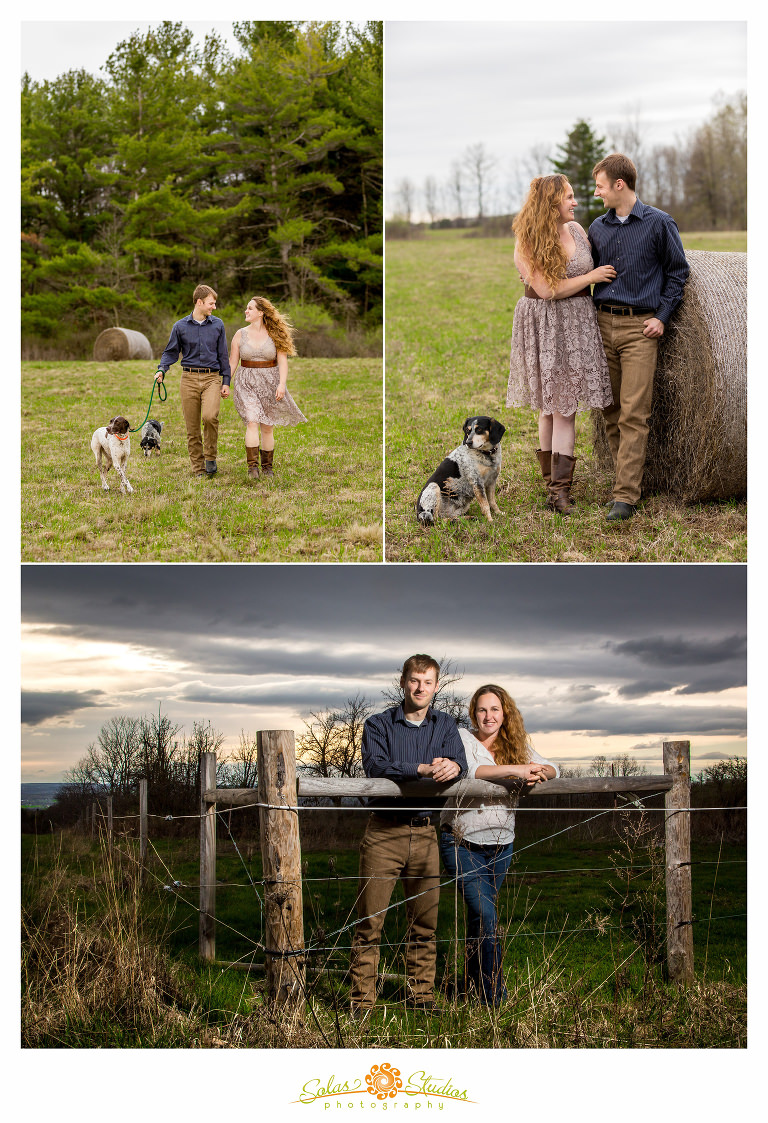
677 827
143 831
207 858
109 823
281 866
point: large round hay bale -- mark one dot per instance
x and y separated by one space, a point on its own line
116 344
697 445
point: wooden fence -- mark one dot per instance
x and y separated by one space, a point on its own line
278 793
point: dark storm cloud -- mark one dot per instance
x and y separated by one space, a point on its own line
307 638
665 651
643 687
638 721
517 607
38 706
298 696
580 694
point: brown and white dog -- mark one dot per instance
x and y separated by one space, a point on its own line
469 472
111 445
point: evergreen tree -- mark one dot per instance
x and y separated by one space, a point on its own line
578 156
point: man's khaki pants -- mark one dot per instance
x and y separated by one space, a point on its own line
389 851
200 400
632 364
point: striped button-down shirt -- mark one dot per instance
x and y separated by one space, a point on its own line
394 748
648 256
201 345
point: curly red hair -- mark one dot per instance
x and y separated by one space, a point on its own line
536 228
512 744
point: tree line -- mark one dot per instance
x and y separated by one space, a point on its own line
155 748
701 180
259 172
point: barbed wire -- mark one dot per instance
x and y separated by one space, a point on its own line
335 947
424 810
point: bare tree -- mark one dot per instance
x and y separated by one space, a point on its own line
624 765
406 194
480 166
332 743
242 769
600 765
456 187
111 763
628 136
430 198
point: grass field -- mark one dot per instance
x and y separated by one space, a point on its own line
450 303
108 964
323 505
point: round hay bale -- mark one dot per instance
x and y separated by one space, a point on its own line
697 444
116 344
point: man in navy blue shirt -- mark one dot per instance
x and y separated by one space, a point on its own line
201 341
406 742
643 245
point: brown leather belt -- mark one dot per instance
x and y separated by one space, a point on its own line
623 309
529 292
259 362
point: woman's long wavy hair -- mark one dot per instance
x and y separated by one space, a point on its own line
536 228
279 327
512 744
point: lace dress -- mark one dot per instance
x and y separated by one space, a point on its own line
254 387
558 362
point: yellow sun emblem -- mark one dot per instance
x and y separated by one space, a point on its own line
383 1081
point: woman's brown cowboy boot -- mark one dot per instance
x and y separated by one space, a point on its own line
561 481
545 462
252 456
266 461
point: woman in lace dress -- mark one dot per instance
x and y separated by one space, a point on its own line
258 359
558 364
477 832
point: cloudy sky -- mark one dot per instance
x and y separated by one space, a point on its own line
50 47
600 659
515 85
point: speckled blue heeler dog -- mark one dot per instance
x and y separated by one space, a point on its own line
469 472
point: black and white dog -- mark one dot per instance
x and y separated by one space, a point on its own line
111 445
150 436
469 472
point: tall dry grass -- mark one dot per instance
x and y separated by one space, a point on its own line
97 972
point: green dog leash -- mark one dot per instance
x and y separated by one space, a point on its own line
162 394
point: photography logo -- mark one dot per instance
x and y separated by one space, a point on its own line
379 1087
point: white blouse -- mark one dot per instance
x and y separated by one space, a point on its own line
484 820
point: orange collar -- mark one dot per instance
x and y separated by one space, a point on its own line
125 438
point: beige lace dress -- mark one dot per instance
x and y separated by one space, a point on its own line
558 363
254 387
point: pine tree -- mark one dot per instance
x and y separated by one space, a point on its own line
578 156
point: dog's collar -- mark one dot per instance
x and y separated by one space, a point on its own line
125 438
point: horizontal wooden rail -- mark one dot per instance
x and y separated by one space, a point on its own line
340 786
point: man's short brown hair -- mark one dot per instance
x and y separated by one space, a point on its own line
616 166
421 664
202 292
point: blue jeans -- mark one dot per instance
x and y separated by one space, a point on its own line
480 875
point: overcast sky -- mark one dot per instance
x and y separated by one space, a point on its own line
599 658
51 47
515 85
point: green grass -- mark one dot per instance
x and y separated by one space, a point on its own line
127 972
450 303
323 505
